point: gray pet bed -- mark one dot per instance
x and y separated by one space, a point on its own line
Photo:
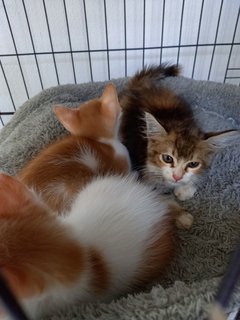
204 251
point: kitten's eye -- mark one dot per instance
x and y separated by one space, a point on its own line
166 158
193 164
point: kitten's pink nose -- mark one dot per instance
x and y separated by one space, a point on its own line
176 177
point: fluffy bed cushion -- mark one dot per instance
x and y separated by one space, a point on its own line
204 251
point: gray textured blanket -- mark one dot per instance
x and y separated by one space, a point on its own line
204 251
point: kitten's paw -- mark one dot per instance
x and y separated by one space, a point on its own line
184 221
184 192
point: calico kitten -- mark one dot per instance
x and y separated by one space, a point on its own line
91 149
158 128
118 236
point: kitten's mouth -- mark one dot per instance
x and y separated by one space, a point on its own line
173 183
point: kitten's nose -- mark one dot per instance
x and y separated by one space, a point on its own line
176 177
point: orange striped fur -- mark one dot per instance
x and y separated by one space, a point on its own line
35 249
85 255
63 168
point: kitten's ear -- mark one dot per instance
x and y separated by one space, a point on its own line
222 139
110 107
14 195
153 126
69 118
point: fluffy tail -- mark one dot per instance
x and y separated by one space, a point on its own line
36 249
150 75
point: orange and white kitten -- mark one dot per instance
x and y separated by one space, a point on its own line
92 149
118 236
158 128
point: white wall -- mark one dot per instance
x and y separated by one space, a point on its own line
196 61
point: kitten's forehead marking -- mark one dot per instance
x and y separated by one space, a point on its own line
179 162
181 148
184 147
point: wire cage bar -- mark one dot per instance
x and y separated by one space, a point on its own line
44 43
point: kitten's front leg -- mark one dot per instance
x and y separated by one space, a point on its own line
183 219
185 192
